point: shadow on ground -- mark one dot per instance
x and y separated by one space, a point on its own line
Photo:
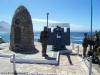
69 59
71 54
50 58
75 54
34 51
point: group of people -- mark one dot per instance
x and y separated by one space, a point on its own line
93 42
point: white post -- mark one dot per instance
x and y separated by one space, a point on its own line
14 66
72 46
90 67
78 50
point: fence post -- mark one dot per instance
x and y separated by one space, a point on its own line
90 66
14 66
78 49
72 46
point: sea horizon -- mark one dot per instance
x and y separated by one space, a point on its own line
75 37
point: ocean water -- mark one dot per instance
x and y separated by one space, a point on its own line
76 37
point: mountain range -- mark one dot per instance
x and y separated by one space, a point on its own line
4 26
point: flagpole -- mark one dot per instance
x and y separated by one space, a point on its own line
47 18
91 19
91 26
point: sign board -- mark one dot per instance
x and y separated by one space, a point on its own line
62 25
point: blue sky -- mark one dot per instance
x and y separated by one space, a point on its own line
75 12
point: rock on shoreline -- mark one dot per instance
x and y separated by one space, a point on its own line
2 41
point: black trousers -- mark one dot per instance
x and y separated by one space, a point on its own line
84 51
44 48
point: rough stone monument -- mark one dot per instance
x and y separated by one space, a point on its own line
21 35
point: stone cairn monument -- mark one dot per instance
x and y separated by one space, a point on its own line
21 35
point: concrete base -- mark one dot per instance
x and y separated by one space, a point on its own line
5 55
43 60
22 58
36 58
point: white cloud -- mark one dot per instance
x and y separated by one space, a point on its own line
79 28
44 21
73 27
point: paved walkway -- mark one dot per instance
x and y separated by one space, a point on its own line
69 65
5 66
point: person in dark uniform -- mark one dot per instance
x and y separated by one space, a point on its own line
97 44
96 49
44 41
85 44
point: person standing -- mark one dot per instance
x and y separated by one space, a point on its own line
85 44
96 45
44 41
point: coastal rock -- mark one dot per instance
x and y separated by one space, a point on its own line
1 41
21 35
